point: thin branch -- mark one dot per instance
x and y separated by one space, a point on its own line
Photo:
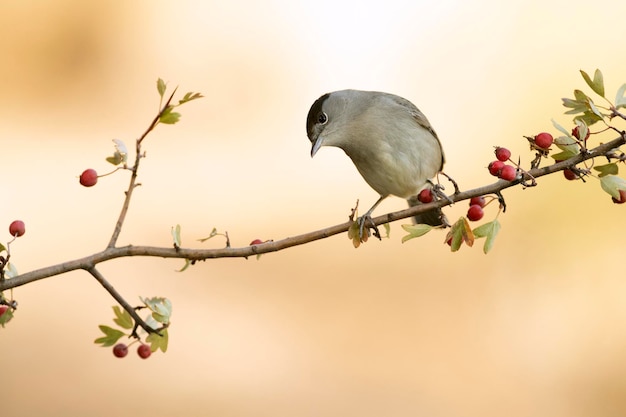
121 301
133 178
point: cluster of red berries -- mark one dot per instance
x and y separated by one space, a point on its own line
499 168
475 211
121 350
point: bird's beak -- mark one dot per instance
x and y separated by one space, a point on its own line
317 144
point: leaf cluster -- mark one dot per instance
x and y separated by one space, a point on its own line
158 319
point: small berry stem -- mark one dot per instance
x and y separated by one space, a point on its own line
115 170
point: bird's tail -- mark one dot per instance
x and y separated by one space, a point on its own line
433 217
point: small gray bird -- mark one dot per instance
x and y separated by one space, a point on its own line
390 141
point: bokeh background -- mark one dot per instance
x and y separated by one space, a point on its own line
535 328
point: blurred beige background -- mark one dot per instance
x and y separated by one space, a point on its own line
535 328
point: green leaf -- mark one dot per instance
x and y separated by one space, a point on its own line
176 236
213 234
563 156
168 116
612 184
576 106
188 97
588 117
158 341
111 336
460 232
116 159
353 234
187 264
415 230
583 129
6 317
571 103
608 169
123 318
567 144
2 248
120 155
577 110
581 97
120 146
560 128
595 110
10 271
620 99
489 231
597 84
161 86
161 308
387 228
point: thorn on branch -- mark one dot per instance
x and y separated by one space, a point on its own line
501 201
354 211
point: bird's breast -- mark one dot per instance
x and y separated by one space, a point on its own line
397 166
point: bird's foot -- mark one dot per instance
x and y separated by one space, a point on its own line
437 190
359 230
454 184
366 223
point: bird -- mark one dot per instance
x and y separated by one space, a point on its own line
389 140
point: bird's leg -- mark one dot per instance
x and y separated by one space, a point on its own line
368 216
456 186
437 190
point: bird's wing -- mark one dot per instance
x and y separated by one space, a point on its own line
416 113
421 120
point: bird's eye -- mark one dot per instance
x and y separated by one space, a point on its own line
322 118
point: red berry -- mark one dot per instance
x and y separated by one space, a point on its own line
144 351
508 173
543 140
475 213
503 154
495 167
569 174
3 309
425 196
120 350
88 178
622 197
480 201
575 133
17 228
256 242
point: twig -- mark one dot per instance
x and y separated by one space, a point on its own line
133 177
121 301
